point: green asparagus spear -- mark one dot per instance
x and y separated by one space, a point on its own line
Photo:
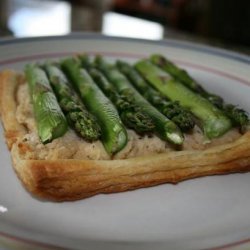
182 76
50 120
164 128
79 118
85 61
214 122
113 132
179 115
238 116
130 113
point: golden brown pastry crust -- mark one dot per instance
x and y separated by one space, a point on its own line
71 179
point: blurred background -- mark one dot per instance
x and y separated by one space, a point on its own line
223 23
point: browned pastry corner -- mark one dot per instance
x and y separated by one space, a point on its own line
71 179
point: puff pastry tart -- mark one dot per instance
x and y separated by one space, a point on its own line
70 167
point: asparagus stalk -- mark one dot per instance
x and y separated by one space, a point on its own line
130 113
78 117
164 128
179 115
85 61
182 76
238 116
113 132
214 122
50 120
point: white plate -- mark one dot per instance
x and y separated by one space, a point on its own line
202 213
